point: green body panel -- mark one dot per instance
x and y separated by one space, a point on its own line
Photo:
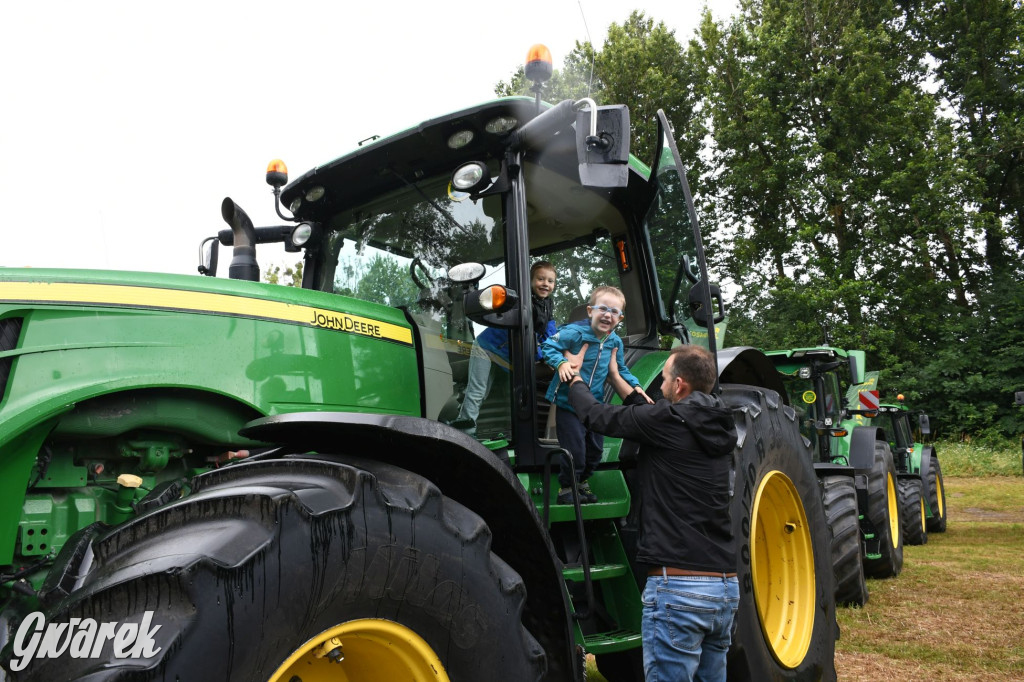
69 353
87 336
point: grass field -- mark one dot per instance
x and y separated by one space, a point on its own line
955 613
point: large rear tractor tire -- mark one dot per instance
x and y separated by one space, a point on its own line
839 497
884 513
915 531
306 569
785 627
936 495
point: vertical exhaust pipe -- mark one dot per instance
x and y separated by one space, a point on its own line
243 259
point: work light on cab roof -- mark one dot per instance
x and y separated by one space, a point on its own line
471 177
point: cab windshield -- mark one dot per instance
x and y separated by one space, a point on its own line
396 249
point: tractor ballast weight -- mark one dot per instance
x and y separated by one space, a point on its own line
197 452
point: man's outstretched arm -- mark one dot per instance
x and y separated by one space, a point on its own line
617 421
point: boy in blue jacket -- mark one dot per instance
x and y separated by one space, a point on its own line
601 345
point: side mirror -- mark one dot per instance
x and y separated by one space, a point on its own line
1019 397
700 315
926 428
602 146
208 252
857 364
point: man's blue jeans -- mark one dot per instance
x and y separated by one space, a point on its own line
687 627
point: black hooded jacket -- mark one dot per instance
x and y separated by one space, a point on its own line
684 469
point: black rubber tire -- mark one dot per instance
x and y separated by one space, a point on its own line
839 497
884 516
936 495
912 510
264 556
770 443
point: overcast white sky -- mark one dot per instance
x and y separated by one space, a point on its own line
123 125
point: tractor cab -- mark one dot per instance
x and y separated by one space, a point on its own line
894 420
430 220
813 378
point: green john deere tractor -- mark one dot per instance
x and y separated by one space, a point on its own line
854 464
261 478
920 474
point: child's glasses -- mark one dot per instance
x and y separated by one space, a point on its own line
605 309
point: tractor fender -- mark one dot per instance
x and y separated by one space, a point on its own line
465 471
927 452
862 447
747 365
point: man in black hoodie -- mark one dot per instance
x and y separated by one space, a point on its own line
685 537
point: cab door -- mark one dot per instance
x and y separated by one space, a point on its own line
688 305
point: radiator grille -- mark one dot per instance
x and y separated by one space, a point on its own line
10 330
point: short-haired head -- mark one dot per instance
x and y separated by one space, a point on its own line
695 365
542 265
608 290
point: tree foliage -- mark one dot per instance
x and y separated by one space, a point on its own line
289 276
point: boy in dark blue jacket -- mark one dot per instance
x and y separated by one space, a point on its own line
601 345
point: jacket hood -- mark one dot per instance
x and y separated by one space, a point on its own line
711 423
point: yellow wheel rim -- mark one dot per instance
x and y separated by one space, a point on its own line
894 512
782 568
366 649
924 517
940 498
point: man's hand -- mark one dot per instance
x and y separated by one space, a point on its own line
643 394
575 361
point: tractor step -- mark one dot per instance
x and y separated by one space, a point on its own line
599 572
611 641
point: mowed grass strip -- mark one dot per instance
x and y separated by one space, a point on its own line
955 612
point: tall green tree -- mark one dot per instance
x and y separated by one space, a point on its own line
980 66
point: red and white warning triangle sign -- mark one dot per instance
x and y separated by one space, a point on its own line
869 400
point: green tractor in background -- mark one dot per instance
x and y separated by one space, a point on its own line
854 463
264 475
920 473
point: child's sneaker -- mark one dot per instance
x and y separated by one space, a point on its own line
564 496
587 495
